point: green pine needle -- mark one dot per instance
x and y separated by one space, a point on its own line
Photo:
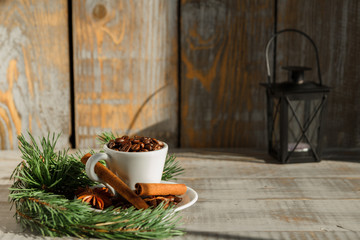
172 168
43 195
105 137
53 215
44 168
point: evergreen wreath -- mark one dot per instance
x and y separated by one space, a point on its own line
43 195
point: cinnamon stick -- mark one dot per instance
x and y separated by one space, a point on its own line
120 187
148 189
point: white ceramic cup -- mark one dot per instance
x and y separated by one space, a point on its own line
131 167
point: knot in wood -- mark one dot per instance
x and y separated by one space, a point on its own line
99 12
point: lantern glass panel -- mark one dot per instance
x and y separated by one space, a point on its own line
303 124
275 131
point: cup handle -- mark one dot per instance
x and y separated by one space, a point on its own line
90 166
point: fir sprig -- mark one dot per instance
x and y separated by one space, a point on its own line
41 195
106 136
53 215
44 168
172 168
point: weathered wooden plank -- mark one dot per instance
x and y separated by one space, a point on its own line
34 70
264 235
204 168
334 26
243 198
125 67
204 235
20 236
222 64
8 162
273 215
308 188
217 165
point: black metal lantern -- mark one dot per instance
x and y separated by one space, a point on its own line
294 112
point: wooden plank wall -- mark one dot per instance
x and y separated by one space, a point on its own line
334 26
134 72
34 70
222 64
126 68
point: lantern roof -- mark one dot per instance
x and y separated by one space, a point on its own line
285 88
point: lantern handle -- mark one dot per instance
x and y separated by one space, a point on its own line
297 31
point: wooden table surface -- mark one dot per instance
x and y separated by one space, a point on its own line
243 194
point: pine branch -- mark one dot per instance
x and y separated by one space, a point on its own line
105 137
44 168
43 184
172 168
54 215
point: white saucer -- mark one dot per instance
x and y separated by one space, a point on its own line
188 199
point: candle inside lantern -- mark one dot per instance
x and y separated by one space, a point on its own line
301 147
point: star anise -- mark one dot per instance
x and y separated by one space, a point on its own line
98 197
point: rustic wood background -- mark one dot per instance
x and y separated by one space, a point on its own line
185 71
34 70
222 64
125 69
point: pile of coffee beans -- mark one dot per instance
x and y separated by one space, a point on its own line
135 144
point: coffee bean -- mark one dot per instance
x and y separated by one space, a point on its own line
111 144
126 147
135 147
155 140
148 147
177 199
135 144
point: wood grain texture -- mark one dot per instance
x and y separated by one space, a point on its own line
34 70
126 67
270 201
334 26
242 196
222 64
